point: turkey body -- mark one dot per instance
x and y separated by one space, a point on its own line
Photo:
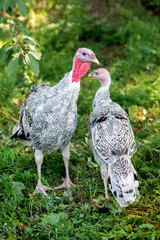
113 144
48 117
47 122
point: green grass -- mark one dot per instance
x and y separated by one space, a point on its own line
128 46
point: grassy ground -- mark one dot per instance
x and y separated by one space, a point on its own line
128 45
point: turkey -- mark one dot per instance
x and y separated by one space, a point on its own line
48 116
112 141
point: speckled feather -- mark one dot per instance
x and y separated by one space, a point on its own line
48 117
112 141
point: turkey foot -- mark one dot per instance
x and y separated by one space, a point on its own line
102 206
66 184
40 188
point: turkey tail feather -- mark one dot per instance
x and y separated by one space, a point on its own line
15 131
122 179
18 133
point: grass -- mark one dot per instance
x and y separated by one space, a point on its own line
131 53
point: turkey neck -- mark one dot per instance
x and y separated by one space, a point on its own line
79 69
102 97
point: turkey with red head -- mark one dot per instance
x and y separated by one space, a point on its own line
48 117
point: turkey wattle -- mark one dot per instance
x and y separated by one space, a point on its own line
48 116
112 141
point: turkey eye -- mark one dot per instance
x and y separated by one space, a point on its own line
96 73
84 53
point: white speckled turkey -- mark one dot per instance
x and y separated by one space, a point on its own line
112 141
48 116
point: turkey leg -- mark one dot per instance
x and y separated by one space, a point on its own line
66 154
104 176
40 187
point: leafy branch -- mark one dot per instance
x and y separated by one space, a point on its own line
20 48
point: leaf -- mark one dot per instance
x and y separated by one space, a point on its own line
33 63
3 49
7 54
12 4
146 225
20 59
6 5
17 188
22 7
12 68
24 30
31 46
54 219
31 40
37 55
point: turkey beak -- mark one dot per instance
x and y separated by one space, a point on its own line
91 74
95 60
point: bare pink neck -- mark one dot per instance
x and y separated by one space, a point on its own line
79 70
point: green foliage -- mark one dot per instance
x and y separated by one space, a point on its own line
19 47
125 37
22 7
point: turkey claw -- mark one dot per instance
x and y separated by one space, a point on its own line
40 188
65 184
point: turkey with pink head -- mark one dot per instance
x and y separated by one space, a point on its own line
112 141
48 117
